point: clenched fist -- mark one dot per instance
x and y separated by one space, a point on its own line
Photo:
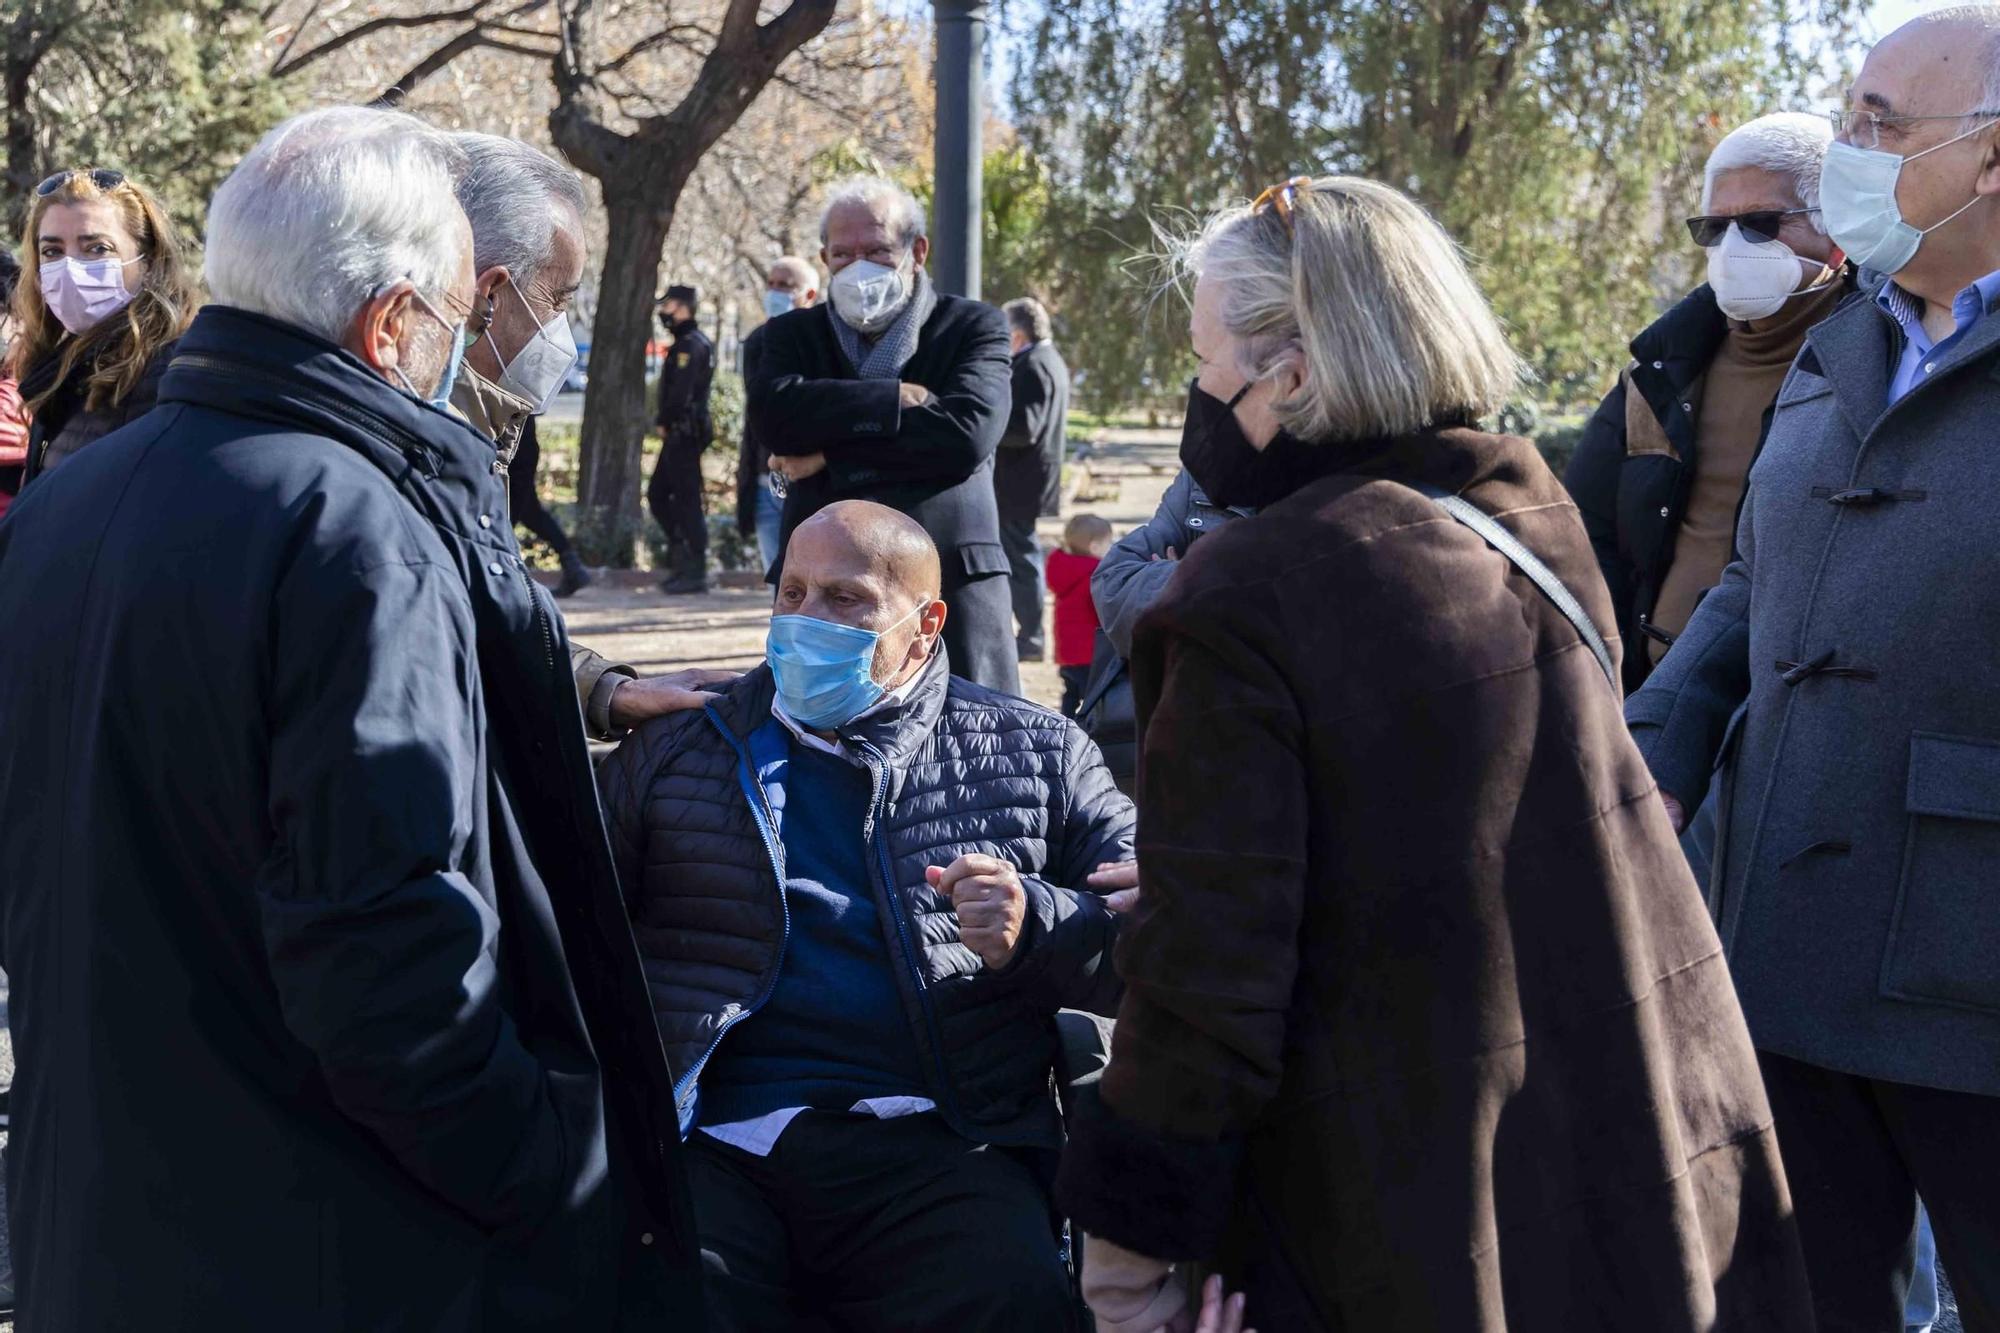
992 906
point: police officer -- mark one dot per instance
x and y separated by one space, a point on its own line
674 494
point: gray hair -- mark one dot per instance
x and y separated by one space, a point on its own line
1790 144
801 269
330 207
896 206
1372 295
517 198
1030 317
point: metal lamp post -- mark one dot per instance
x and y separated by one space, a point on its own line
955 232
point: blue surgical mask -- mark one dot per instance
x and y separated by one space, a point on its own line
1857 201
824 670
441 400
777 303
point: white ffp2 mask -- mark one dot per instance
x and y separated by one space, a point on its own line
1753 278
868 296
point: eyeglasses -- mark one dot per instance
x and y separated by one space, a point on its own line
104 178
1280 198
1762 225
1863 129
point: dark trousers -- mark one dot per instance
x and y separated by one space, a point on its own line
854 1223
524 502
1024 581
978 632
1857 1153
674 496
1075 680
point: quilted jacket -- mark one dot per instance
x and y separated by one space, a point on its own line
958 768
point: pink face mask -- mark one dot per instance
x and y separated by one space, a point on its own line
80 294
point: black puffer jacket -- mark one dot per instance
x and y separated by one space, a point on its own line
958 768
1635 465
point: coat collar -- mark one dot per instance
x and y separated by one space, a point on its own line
1856 347
251 365
1683 341
897 732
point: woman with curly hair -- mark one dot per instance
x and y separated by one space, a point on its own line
105 292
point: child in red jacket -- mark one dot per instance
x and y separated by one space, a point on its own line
1085 540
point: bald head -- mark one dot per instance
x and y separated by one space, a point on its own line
863 564
1953 58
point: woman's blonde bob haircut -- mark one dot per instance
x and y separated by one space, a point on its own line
1371 293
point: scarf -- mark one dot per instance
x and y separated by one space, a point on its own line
897 343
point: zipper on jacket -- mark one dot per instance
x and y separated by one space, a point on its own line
760 814
872 834
541 616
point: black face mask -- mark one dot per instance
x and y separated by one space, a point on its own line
1230 470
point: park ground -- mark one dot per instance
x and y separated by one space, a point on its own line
1117 474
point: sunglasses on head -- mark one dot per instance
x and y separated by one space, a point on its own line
104 178
1280 198
1762 225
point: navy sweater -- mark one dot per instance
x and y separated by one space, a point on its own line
833 1031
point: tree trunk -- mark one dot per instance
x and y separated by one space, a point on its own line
615 420
24 51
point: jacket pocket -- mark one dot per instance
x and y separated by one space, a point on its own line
1944 936
981 558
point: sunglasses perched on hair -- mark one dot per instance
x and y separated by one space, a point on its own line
1279 199
104 178
1762 225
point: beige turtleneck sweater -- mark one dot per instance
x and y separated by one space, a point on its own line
1739 385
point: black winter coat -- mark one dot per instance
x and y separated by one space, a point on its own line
305 1040
1634 467
935 463
959 768
753 460
1027 472
686 378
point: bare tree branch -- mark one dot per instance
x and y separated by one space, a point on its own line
383 23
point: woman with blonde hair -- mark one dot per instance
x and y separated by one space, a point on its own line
1425 1026
105 291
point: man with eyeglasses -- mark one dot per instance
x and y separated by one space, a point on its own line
1844 679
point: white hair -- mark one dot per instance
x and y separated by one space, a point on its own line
895 206
802 270
517 198
327 209
1791 144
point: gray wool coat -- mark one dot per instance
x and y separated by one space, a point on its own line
1845 677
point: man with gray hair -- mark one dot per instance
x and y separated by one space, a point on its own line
526 211
1661 466
791 284
1844 678
299 1041
1027 474
896 393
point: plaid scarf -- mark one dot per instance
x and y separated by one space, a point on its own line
897 343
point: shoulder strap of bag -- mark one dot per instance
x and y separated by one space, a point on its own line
1507 544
